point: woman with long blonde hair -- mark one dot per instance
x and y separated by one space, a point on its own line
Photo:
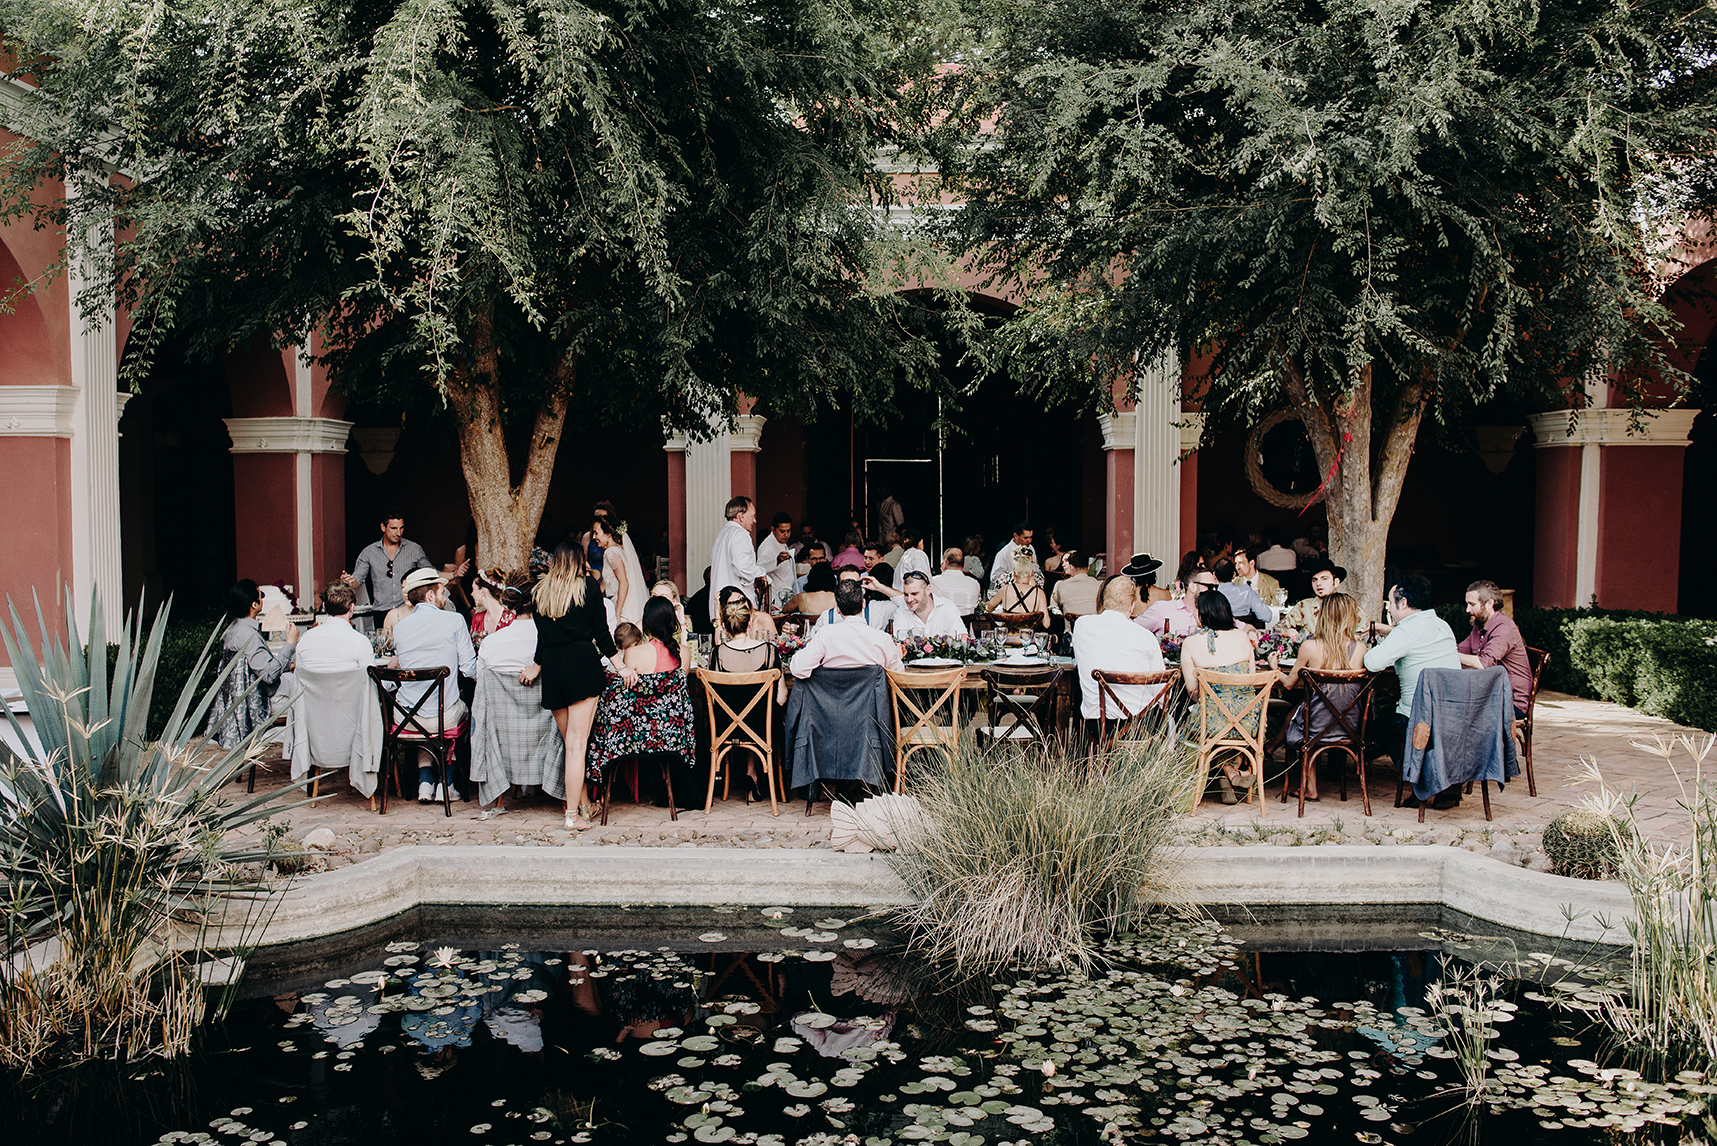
1332 647
572 639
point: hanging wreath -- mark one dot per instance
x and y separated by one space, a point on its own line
1255 465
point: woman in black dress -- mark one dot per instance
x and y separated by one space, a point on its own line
572 639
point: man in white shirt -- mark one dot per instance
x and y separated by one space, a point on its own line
432 636
1111 641
333 645
1419 640
849 642
954 585
917 612
732 561
1002 565
912 558
1278 558
775 554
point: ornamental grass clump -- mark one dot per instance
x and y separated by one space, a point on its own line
116 857
1034 854
1670 1010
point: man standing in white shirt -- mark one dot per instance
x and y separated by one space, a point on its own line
849 642
913 557
917 612
775 554
732 561
954 585
1111 641
333 645
1002 566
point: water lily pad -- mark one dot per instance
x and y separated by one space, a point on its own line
659 1049
714 937
816 1020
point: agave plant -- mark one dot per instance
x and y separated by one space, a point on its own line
117 851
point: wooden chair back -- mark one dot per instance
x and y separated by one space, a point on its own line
1223 726
407 723
1013 622
1022 703
1130 724
729 731
1537 660
1345 731
931 725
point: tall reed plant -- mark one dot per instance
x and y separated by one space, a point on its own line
1670 1011
116 849
1033 854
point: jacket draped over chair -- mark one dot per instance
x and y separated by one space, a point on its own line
335 722
513 738
654 715
840 726
1471 714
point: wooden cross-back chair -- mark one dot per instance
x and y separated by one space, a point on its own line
1022 704
729 731
934 724
1538 660
1153 715
1015 622
1222 727
1343 732
406 726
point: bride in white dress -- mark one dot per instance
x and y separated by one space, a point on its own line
622 574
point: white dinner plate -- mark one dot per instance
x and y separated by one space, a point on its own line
1022 661
933 662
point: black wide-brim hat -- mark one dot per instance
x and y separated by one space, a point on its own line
1140 565
1325 565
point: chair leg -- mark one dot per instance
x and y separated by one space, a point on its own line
1308 768
1364 792
315 784
1484 788
251 787
1526 739
668 783
607 791
709 797
444 769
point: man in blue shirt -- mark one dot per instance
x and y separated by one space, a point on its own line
432 636
1419 640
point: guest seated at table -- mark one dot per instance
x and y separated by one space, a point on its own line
814 554
1418 640
847 642
878 611
432 636
333 645
659 651
1248 572
671 592
1246 605
1219 646
490 614
1141 570
1109 641
1276 557
917 612
1495 640
743 653
954 585
818 596
761 626
851 555
696 606
1326 579
512 649
1076 594
626 634
975 556
645 708
250 692
1332 647
1179 617
1022 595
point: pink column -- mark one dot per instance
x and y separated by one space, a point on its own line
676 450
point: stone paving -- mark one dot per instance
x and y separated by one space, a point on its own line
1569 729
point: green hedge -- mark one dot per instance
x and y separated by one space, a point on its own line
1662 664
180 648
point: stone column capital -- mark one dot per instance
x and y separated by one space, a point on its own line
1610 427
37 411
1191 429
1119 430
288 435
747 432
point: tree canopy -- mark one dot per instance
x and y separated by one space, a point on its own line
1368 210
639 207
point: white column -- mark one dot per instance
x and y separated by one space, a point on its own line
301 484
94 447
1156 452
709 485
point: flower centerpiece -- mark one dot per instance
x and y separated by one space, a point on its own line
1284 645
962 649
787 644
1171 648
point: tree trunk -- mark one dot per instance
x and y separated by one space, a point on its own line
507 515
1360 491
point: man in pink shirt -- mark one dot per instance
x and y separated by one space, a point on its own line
1496 640
1178 618
849 642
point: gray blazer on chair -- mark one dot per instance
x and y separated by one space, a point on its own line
1471 714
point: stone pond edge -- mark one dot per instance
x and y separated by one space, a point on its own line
375 889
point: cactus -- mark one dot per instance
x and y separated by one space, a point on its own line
1583 844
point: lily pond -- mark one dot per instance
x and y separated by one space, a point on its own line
805 1027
